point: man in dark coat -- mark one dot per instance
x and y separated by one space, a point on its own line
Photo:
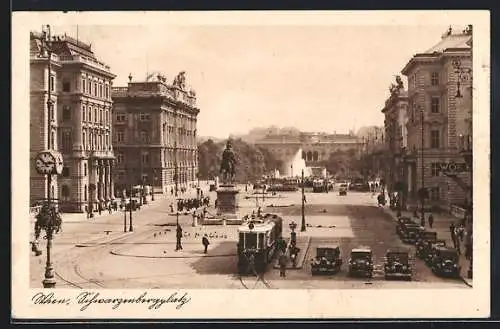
431 220
283 260
179 237
205 242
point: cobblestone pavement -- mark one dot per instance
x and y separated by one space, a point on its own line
85 256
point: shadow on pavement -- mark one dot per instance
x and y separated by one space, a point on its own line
217 265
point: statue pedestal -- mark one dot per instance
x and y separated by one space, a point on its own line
227 203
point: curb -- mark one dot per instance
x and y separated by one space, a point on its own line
170 257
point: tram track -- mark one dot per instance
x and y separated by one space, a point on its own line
80 281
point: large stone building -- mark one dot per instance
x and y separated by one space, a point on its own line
316 147
155 134
396 118
440 114
80 121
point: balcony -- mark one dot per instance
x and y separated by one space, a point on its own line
85 60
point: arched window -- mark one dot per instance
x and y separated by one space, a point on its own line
85 170
315 156
84 139
90 114
309 156
85 193
65 192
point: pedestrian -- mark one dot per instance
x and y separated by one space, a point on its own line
109 208
259 211
179 237
304 198
171 208
100 209
431 220
171 191
461 233
205 243
283 260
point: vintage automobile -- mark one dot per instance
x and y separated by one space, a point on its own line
397 264
425 237
411 232
402 221
361 262
327 260
343 189
135 203
213 187
445 262
430 250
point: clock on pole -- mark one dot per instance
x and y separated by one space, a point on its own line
49 162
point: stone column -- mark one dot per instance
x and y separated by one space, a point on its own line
77 142
111 180
106 180
101 179
95 183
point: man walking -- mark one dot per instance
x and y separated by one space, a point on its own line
283 260
205 242
179 237
431 220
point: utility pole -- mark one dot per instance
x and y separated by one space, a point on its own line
303 226
131 228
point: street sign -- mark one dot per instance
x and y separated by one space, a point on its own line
452 167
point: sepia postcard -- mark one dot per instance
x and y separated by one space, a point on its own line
212 165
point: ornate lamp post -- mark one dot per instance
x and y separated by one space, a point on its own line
422 189
48 162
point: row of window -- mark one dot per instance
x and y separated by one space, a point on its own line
95 141
183 157
94 88
96 115
434 80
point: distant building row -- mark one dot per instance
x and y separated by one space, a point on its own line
110 138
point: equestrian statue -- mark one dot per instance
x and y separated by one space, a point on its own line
228 164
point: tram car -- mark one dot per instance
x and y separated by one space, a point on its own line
257 243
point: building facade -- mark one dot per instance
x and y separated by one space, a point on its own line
396 118
80 121
155 134
439 120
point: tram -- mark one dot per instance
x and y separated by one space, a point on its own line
257 243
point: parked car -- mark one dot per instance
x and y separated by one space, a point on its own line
213 187
411 232
430 250
425 237
445 262
361 262
397 264
327 260
135 203
401 222
343 189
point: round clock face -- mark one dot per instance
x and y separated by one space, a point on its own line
45 163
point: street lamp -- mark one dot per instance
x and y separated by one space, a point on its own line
422 194
303 224
48 162
131 228
152 185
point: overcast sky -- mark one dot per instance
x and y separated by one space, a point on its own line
316 78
